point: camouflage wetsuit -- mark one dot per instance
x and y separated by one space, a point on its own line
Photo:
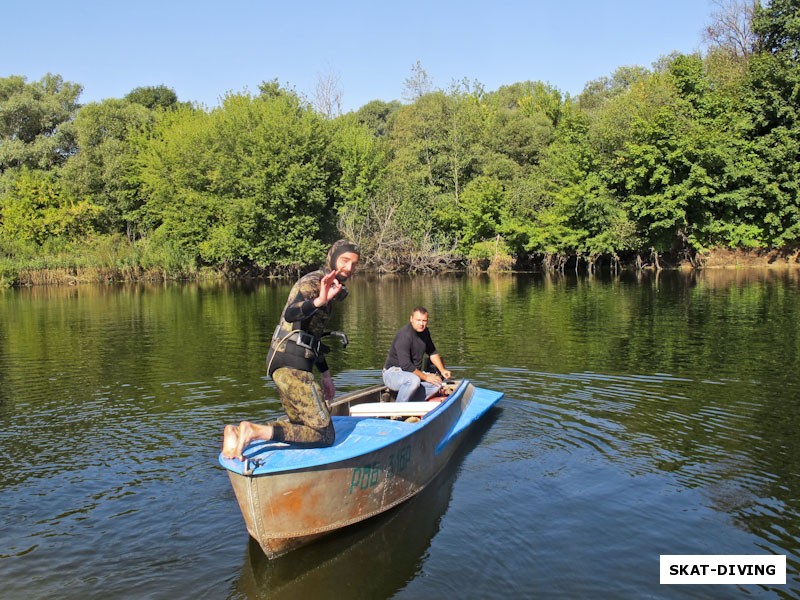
294 351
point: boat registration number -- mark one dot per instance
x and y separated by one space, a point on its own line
371 474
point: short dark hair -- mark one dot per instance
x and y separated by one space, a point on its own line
419 309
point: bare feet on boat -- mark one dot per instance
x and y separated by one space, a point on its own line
235 439
230 437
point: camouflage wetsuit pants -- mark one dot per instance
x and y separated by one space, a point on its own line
309 418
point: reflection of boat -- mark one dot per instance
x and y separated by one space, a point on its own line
292 496
374 559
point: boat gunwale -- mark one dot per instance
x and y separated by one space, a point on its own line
402 430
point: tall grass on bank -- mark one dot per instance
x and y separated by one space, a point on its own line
97 260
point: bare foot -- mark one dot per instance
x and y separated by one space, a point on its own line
246 433
230 438
236 439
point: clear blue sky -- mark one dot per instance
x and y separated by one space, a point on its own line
204 49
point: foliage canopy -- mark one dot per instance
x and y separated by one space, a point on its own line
700 151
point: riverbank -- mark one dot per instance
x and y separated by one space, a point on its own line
726 258
79 275
720 258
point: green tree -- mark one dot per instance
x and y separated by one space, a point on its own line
35 121
415 175
153 97
483 209
775 81
34 213
250 182
571 211
101 170
361 162
516 130
596 92
682 160
777 26
437 148
378 115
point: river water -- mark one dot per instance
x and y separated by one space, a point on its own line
642 416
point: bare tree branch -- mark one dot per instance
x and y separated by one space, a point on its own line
328 94
732 27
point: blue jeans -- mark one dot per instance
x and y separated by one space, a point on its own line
408 386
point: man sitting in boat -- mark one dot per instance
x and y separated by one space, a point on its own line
294 351
402 371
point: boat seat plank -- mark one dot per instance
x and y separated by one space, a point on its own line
392 409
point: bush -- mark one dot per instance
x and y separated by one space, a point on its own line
492 255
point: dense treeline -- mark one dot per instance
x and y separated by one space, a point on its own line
699 152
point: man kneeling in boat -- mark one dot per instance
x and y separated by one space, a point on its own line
402 371
294 351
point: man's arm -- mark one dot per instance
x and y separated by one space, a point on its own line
313 294
306 291
437 361
429 377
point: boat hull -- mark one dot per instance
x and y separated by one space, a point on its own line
294 496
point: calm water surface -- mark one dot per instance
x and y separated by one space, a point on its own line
642 416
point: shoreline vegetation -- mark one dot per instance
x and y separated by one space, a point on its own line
724 259
693 163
